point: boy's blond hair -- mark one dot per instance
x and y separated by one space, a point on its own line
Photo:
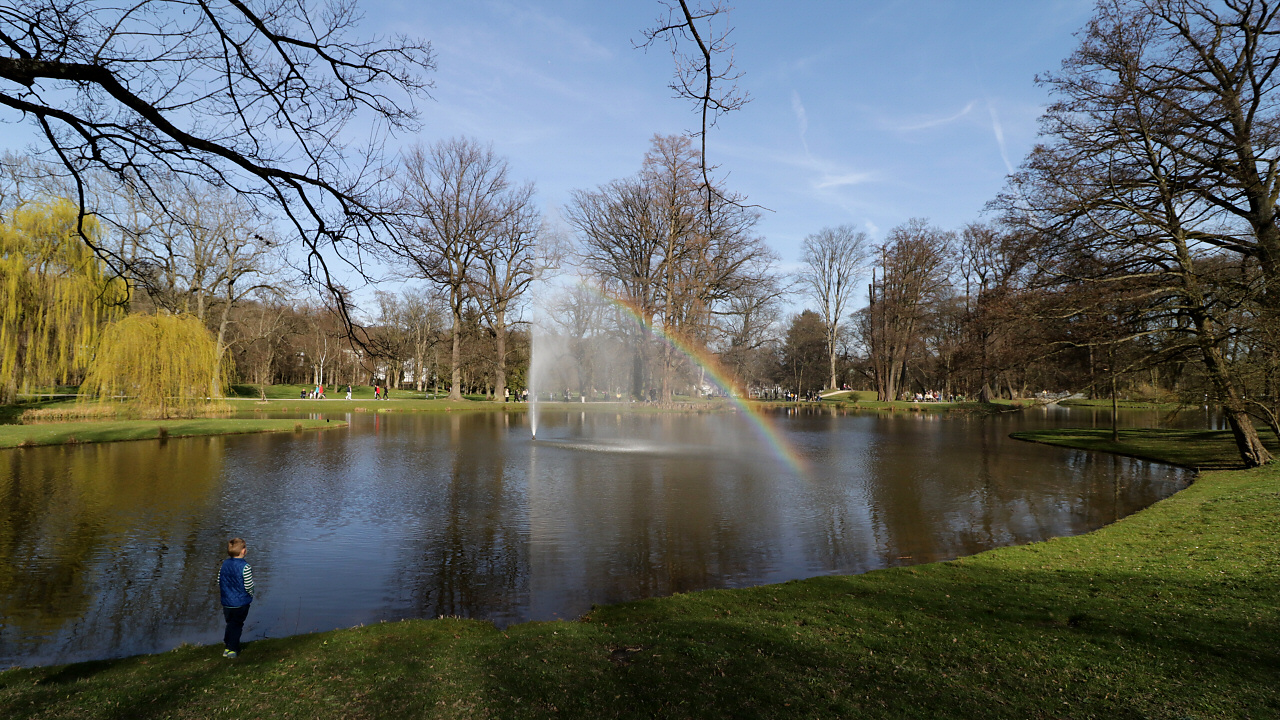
234 546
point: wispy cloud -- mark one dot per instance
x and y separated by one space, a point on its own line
552 31
833 181
802 118
936 122
872 227
998 129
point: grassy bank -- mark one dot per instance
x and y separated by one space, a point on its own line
428 406
1105 404
112 430
292 392
1200 449
928 407
1170 613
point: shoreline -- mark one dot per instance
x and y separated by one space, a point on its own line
82 432
1197 450
1167 612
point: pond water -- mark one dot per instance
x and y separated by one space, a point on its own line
110 550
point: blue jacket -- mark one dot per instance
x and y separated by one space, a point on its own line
235 582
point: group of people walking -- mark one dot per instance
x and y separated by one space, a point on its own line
317 393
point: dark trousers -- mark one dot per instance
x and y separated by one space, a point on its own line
235 625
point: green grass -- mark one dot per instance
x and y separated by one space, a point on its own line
468 403
113 430
1201 449
1169 613
866 400
370 405
1105 404
933 407
332 392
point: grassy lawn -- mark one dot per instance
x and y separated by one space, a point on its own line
113 430
1105 404
866 400
332 392
1201 449
1169 613
395 404
398 404
857 401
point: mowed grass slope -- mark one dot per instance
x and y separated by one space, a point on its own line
96 431
1200 449
1170 613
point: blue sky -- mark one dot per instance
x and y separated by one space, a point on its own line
863 112
868 113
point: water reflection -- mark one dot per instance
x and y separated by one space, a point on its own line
89 534
111 549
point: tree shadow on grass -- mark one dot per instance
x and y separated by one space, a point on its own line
954 640
989 643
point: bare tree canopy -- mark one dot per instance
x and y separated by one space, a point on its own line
253 98
834 260
654 244
712 88
913 274
1198 80
1156 184
466 227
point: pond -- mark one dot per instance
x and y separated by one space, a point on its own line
111 550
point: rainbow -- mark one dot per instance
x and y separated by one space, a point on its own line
719 377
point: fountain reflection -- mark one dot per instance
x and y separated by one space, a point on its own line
110 549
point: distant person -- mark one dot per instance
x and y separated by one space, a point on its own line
377 392
386 393
235 585
348 392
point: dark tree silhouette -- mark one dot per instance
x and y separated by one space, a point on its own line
252 98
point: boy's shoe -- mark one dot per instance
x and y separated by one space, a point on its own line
230 654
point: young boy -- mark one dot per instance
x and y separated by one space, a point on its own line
235 584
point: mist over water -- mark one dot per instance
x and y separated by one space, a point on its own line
111 550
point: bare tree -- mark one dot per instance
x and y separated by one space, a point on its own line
1131 196
1212 69
507 261
456 201
991 262
912 265
619 244
835 260
422 316
713 89
580 311
205 253
749 332
253 98
263 326
651 241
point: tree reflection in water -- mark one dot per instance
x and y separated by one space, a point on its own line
110 549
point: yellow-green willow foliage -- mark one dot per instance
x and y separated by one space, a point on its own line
55 297
159 362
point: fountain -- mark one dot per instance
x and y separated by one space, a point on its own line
583 339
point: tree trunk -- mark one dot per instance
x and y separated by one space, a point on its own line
1115 409
455 360
1252 451
668 374
215 388
500 369
985 395
831 355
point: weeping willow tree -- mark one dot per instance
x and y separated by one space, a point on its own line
158 362
55 297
